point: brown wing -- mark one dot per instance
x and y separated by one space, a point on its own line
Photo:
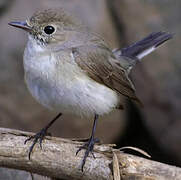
101 65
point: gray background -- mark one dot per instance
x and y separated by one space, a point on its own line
157 78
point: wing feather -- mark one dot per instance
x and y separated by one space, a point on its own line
101 65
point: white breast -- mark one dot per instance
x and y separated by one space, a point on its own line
62 85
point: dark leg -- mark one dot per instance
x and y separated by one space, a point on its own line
40 135
89 146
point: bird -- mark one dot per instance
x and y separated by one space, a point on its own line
71 69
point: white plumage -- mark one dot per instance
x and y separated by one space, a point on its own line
62 86
146 52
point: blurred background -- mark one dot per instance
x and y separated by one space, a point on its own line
156 128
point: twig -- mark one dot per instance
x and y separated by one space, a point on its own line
57 159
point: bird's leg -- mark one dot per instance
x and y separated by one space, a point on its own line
89 145
40 135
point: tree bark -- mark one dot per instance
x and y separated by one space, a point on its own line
57 160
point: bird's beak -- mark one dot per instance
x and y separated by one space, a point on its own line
22 25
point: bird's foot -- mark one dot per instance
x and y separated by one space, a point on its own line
37 137
89 146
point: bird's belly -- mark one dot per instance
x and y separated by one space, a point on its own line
62 86
81 96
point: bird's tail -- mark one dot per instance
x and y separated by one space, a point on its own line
138 50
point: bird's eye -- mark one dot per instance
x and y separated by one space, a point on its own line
49 29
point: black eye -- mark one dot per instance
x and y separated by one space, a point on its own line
49 29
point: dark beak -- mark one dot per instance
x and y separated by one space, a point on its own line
22 25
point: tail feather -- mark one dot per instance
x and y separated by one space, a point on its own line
145 46
130 55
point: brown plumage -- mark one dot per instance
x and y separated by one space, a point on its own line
94 56
102 66
71 69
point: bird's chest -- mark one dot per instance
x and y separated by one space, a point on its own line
61 85
49 81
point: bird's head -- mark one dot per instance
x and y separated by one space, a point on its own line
49 26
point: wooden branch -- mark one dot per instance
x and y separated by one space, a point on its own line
57 159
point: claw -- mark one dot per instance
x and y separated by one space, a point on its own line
39 136
78 151
40 142
93 155
81 147
89 146
28 139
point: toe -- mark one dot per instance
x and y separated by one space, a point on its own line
89 146
37 137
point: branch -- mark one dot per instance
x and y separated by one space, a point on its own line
57 159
